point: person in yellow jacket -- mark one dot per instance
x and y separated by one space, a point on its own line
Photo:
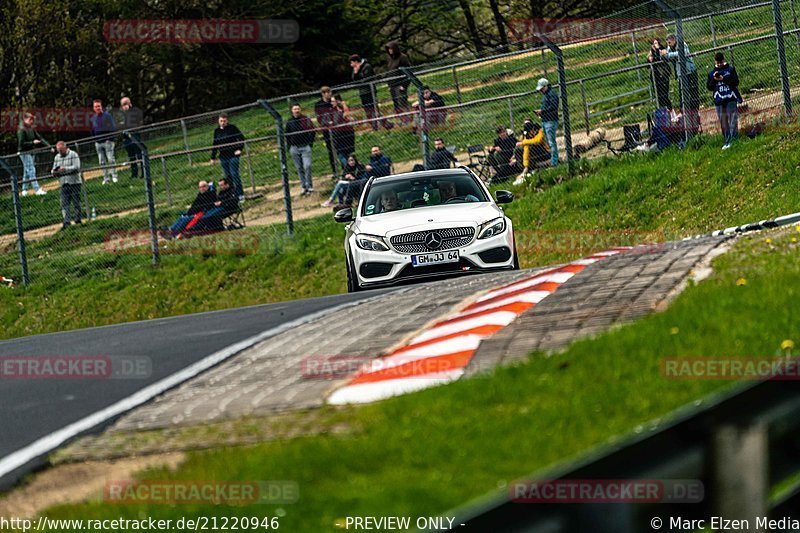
533 140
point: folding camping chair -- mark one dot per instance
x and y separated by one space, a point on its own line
477 161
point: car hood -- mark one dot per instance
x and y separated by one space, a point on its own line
433 217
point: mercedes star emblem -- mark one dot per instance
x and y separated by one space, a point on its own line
433 241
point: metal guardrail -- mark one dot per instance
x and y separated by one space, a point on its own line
740 443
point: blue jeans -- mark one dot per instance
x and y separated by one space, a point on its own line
180 224
301 155
339 191
550 127
728 114
28 172
230 167
211 220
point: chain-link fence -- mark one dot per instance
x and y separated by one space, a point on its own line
615 86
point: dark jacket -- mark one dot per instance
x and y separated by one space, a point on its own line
25 138
365 72
506 145
549 105
342 132
103 126
323 110
395 58
229 201
441 159
132 118
300 131
203 201
230 134
726 90
381 165
358 171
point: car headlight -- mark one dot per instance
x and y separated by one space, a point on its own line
492 228
372 243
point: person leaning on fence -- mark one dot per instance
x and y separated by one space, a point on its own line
723 82
206 196
343 134
28 140
103 129
398 88
548 112
300 134
354 175
501 154
226 204
131 118
692 102
67 167
380 164
323 109
229 143
435 111
363 71
661 73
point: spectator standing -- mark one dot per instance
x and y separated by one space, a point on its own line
67 167
501 154
661 73
379 163
362 72
395 58
343 135
548 112
132 118
103 128
229 143
323 109
28 140
723 82
300 136
435 113
692 103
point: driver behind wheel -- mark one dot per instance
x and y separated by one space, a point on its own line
447 190
389 201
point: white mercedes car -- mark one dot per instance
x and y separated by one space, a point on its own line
426 224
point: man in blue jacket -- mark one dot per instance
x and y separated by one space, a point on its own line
548 112
103 129
723 82
379 163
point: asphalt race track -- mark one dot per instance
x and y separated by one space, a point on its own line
31 409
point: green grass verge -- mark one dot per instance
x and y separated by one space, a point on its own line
425 453
616 202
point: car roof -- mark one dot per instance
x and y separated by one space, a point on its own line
424 174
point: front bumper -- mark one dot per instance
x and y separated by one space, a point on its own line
375 269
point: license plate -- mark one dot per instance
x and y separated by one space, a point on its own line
436 258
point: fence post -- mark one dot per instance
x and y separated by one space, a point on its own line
287 194
636 54
23 257
784 73
730 54
166 180
713 30
510 113
585 107
562 90
423 122
151 205
544 63
740 469
794 21
250 165
458 89
186 141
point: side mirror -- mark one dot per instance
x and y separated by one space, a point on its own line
343 215
504 197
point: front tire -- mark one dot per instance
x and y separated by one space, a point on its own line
516 258
352 278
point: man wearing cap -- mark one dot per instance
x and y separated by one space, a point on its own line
548 112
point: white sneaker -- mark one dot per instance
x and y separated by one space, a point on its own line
41 192
114 179
726 146
520 179
105 182
25 192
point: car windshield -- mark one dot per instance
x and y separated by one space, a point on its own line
414 191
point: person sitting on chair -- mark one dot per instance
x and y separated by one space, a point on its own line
353 176
533 144
501 155
227 204
206 196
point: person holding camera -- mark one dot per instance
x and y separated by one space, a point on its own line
67 168
723 82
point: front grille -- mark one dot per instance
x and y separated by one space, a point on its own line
496 255
375 270
414 243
